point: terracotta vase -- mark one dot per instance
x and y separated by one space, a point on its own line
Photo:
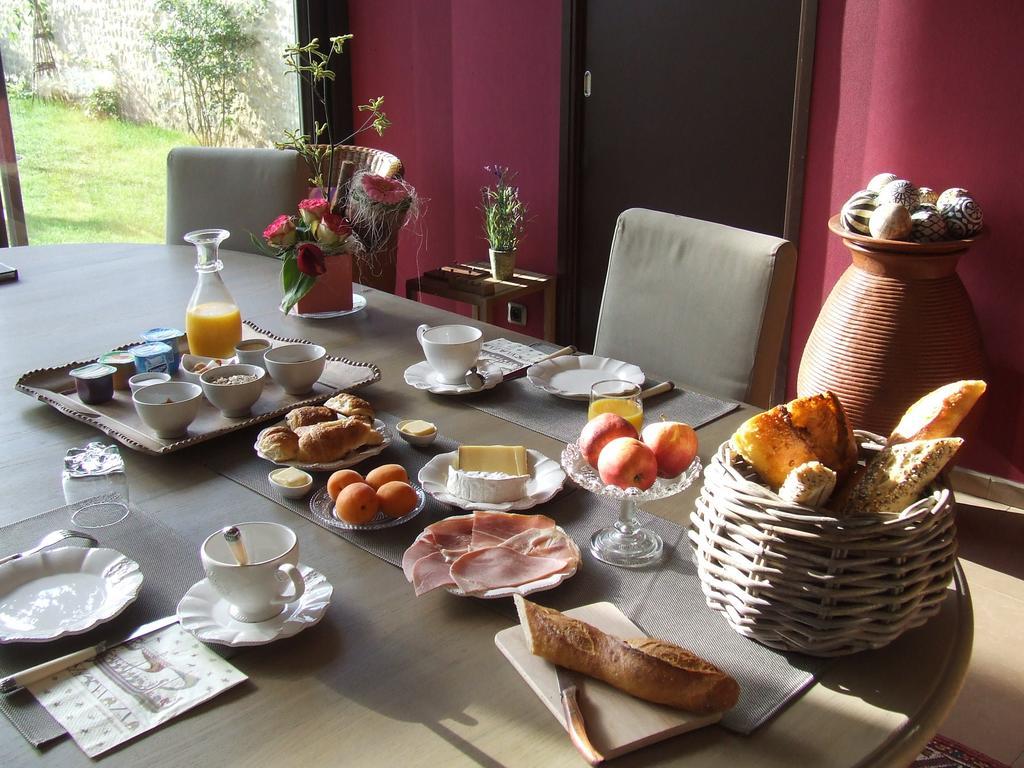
332 291
898 324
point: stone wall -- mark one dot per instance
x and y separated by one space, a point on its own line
102 43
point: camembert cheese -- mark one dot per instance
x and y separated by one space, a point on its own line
489 473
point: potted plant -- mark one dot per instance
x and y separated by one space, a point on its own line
504 220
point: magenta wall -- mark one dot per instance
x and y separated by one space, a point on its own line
929 90
466 84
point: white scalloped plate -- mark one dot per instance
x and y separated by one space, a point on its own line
204 613
65 591
422 376
329 466
546 479
572 376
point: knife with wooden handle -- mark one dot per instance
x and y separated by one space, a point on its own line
574 717
658 389
520 372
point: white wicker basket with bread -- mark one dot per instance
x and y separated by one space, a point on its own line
803 547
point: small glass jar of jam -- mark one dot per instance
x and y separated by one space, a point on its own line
94 383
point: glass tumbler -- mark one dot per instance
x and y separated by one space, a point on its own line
95 474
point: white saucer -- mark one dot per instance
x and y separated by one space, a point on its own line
204 613
546 479
422 376
572 376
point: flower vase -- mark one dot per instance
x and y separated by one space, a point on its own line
331 295
503 264
898 324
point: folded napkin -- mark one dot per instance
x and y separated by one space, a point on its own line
134 688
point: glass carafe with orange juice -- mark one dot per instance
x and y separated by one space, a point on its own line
212 321
619 397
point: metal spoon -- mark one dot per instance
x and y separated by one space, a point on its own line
50 539
474 380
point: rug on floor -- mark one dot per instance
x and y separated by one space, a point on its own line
946 753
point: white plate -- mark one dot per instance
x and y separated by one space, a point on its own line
422 376
572 376
349 460
204 613
322 508
546 479
65 591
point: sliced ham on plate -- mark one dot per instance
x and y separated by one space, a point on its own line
420 548
492 528
550 542
431 572
481 570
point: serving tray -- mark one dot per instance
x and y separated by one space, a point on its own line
118 419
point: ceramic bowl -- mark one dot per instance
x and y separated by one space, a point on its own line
168 408
233 400
189 362
290 492
251 351
420 441
296 367
148 379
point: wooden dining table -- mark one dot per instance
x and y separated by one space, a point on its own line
386 678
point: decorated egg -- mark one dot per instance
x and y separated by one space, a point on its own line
927 196
857 211
890 221
950 195
962 216
898 191
879 181
927 225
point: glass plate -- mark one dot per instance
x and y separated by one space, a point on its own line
322 507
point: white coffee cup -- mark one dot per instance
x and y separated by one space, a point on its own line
271 580
451 350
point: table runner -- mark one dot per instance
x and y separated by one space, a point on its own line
170 565
522 403
665 600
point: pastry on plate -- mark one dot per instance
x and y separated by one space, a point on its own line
332 440
308 415
350 405
279 444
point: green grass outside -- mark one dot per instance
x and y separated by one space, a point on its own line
90 180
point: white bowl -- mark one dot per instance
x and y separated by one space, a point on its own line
168 419
288 491
420 441
296 367
189 362
147 379
233 400
251 351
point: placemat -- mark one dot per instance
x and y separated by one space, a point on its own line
170 565
522 403
666 600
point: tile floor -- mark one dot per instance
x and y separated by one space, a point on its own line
989 714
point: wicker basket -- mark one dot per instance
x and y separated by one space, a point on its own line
800 579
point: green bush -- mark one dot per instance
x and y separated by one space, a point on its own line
104 103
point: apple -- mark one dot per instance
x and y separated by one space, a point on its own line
600 431
627 463
674 445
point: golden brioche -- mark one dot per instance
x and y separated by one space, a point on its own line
827 430
938 413
772 445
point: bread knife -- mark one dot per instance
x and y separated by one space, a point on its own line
19 680
658 389
518 373
568 693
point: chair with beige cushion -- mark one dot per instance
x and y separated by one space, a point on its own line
240 190
702 303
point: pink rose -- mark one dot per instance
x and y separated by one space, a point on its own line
313 209
332 229
280 233
310 259
382 190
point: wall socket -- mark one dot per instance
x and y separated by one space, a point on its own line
516 313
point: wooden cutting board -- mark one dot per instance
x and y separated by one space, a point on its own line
617 723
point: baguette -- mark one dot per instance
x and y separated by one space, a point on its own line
647 668
810 484
938 413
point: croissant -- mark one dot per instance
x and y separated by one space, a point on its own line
279 444
332 440
350 405
309 415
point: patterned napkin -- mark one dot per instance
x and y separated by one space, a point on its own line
134 688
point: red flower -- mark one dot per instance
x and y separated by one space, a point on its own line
383 190
280 233
310 259
332 229
313 209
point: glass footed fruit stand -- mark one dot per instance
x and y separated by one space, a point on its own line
626 543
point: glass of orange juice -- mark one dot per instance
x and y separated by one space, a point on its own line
618 397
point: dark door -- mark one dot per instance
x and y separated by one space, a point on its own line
691 111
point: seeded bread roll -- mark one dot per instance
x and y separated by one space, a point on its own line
938 413
898 476
649 669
